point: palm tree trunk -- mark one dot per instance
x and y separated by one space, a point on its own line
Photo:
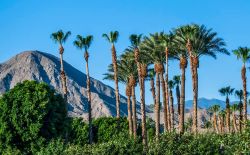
128 94
244 80
171 109
142 72
114 61
183 65
89 99
234 122
193 65
195 93
157 107
177 89
143 115
167 91
165 105
227 115
219 123
63 75
215 123
240 116
134 112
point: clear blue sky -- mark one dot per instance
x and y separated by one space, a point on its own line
27 25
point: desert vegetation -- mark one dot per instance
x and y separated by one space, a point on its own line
33 117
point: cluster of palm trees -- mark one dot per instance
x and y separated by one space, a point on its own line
221 117
146 59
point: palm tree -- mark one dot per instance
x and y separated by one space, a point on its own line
171 102
243 53
151 75
154 54
181 55
198 41
142 73
125 69
226 91
133 80
177 82
222 115
168 44
239 95
215 108
84 43
60 37
234 108
112 38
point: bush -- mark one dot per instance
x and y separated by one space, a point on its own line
30 114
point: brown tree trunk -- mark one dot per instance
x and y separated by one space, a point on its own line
178 99
222 124
227 115
86 56
240 116
114 61
166 110
171 109
143 115
195 122
244 80
128 94
215 123
183 65
157 107
142 72
134 112
194 64
234 122
165 106
63 75
219 123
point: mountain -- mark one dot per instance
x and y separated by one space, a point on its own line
204 103
39 66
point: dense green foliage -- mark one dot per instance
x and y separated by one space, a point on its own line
33 121
30 114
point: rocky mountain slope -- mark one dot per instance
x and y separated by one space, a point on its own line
35 65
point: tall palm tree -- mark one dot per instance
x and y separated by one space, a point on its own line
125 69
180 54
177 82
234 108
151 75
226 91
198 41
142 73
239 95
84 43
243 53
155 55
133 80
112 38
215 108
60 37
168 44
222 115
171 102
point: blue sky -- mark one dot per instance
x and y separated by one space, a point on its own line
27 25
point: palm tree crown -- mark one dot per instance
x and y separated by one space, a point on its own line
203 41
242 53
83 42
135 40
226 91
60 36
112 37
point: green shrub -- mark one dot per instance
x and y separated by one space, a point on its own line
30 114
